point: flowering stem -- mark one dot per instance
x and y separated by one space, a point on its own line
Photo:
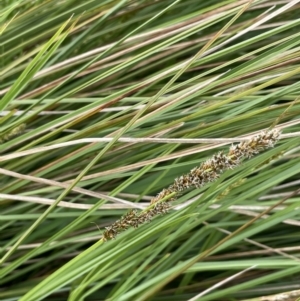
207 172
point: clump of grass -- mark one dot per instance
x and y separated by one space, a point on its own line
112 93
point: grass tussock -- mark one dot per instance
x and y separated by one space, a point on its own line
107 107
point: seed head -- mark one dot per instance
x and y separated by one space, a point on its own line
207 172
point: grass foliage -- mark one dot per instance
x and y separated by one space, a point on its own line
103 104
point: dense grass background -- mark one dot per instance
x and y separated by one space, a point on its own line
83 83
